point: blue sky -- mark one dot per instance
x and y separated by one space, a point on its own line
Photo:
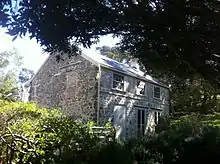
33 55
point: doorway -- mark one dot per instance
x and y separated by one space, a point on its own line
119 116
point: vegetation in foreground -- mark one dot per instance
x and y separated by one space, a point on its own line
179 37
32 135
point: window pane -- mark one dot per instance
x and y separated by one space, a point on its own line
142 91
143 129
157 89
118 82
143 117
118 85
139 117
141 121
140 87
118 78
115 84
157 92
155 117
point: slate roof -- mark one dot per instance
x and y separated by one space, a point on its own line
121 67
114 65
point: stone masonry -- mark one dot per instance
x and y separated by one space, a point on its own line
132 102
73 86
70 85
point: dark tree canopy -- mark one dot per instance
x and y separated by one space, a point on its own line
178 36
114 53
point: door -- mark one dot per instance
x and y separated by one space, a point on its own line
142 118
153 119
119 120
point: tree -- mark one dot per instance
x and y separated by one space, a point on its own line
113 53
3 11
25 75
116 54
181 37
10 62
193 94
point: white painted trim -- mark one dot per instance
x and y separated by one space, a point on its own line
157 112
145 109
113 81
99 83
136 87
134 97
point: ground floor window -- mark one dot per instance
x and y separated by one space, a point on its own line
141 121
157 115
147 119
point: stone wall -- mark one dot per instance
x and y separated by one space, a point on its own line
109 98
70 85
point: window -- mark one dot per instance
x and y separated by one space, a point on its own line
141 121
118 82
157 92
156 117
140 87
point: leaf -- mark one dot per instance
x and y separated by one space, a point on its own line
14 38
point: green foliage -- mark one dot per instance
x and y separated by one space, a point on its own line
176 147
113 53
193 95
10 62
186 125
116 54
32 135
181 36
35 135
12 76
181 141
184 140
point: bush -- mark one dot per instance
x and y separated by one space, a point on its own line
32 135
168 148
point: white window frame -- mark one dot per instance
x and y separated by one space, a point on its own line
157 115
143 123
114 80
144 94
154 92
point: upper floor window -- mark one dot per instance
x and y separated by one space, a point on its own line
140 87
157 92
118 82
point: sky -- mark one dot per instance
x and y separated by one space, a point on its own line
32 53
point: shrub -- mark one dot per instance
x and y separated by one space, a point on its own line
33 135
188 139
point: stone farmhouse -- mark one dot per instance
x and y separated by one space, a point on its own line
95 87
